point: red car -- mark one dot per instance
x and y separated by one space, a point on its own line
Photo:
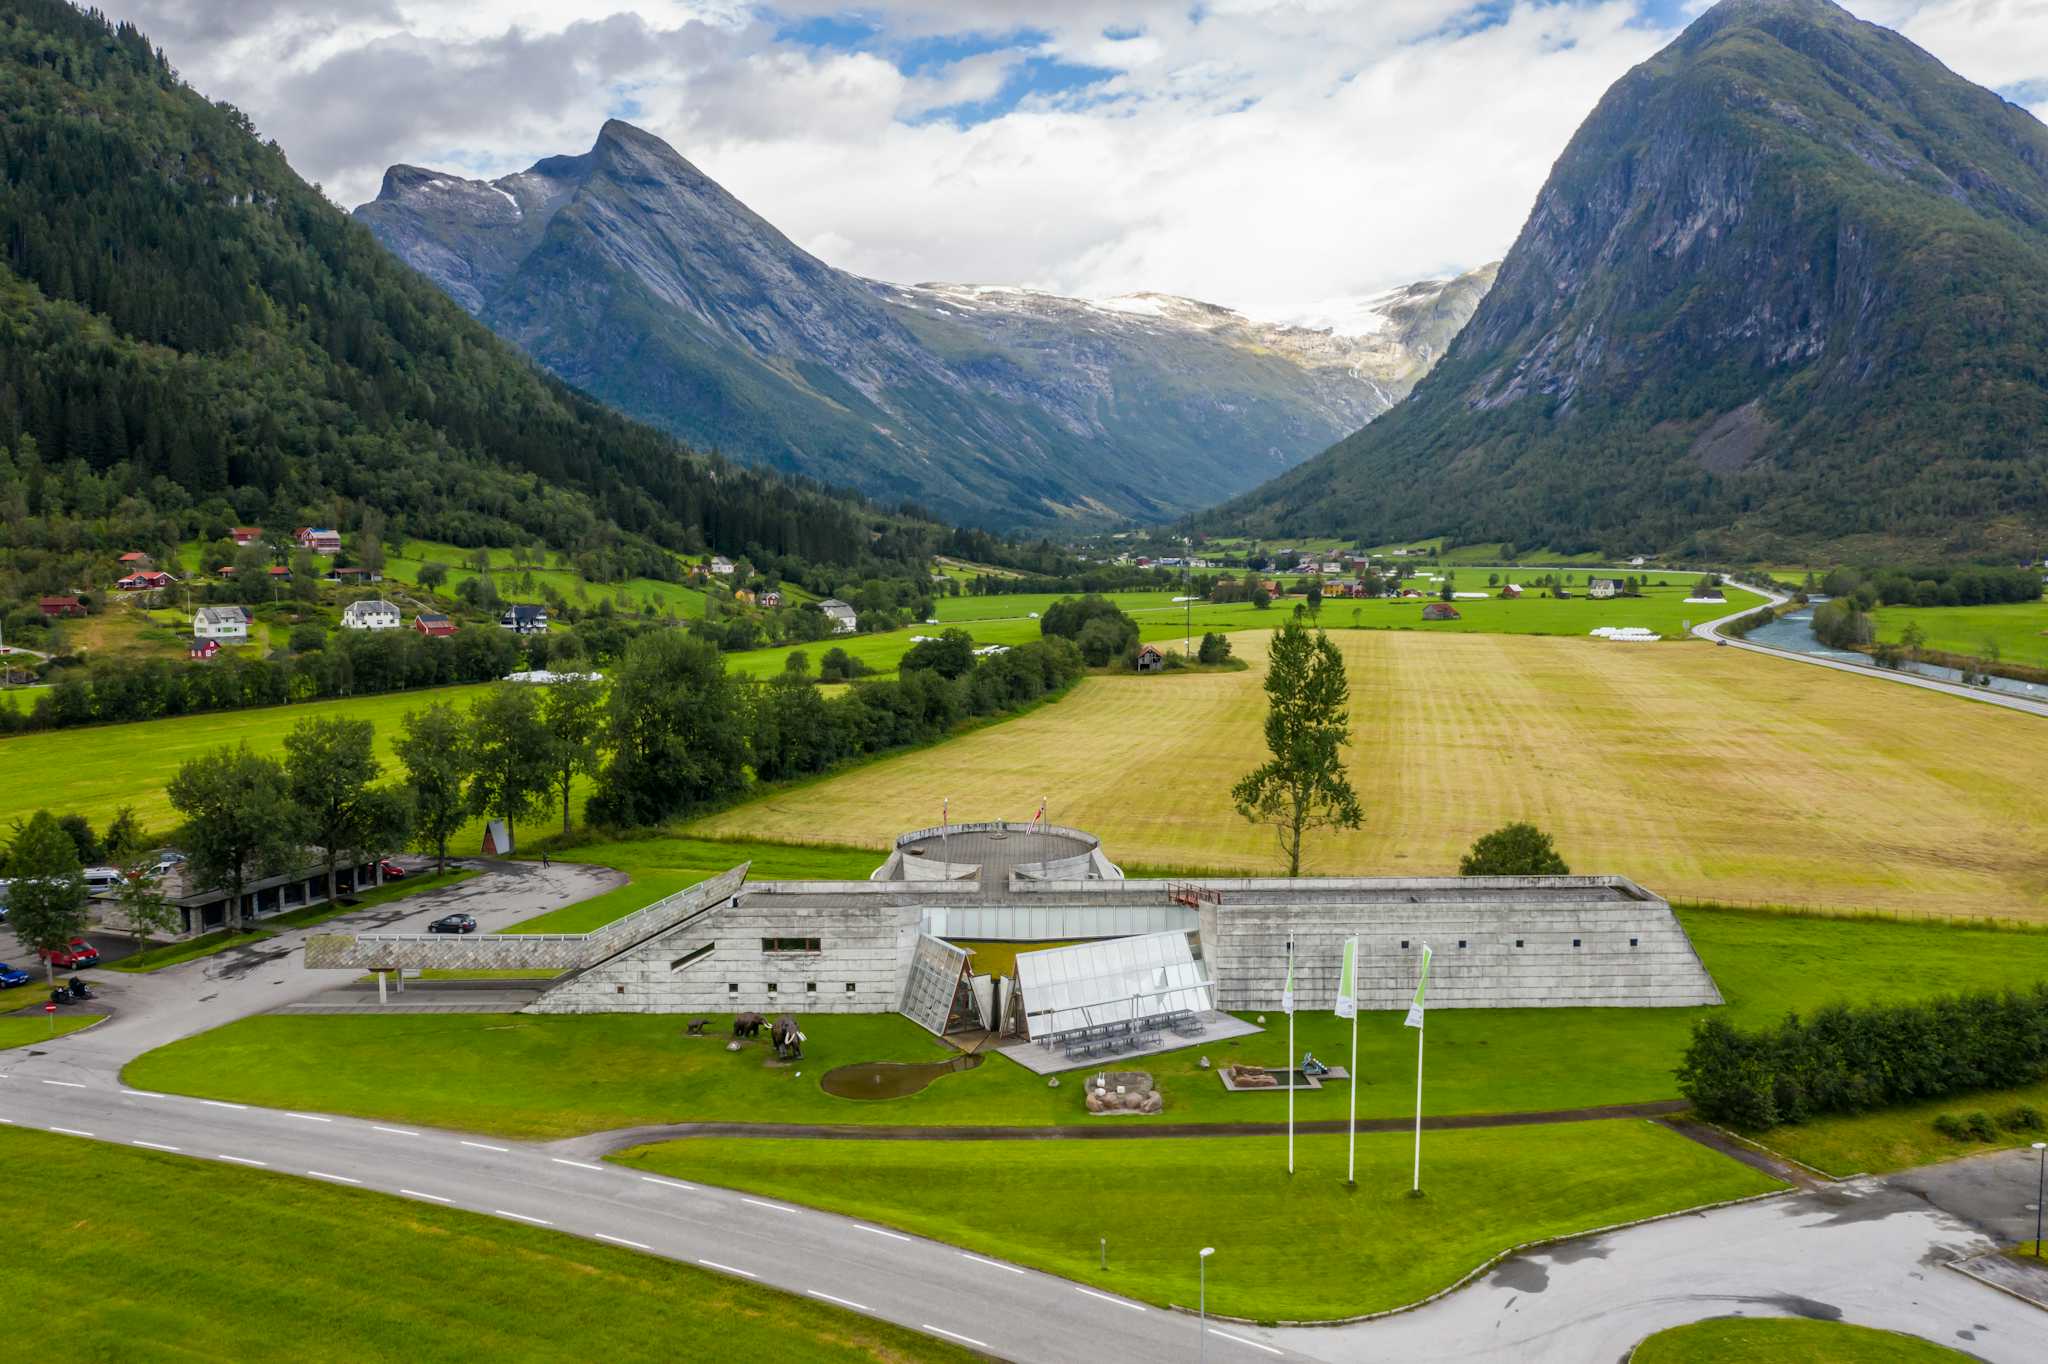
392 871
78 954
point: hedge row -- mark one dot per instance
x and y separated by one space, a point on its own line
1846 1059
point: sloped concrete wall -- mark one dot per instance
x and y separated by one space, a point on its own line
865 945
1615 955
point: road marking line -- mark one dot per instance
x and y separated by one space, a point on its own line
520 1216
1242 1341
308 1117
877 1231
395 1131
728 1269
430 1197
992 1264
578 1164
339 1179
143 1094
621 1241
216 1103
481 1147
243 1160
668 1183
772 1207
843 1302
71 1132
67 1084
940 1330
1135 1307
154 1145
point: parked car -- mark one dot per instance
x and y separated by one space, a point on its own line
98 879
392 871
74 956
452 923
12 976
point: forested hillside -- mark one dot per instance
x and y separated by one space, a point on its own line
1786 290
189 332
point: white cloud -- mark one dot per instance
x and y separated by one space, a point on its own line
1266 154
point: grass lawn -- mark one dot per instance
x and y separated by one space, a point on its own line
663 866
2019 629
1786 1340
347 1275
1703 773
509 577
171 954
550 1076
95 770
29 1025
1302 1248
1899 1138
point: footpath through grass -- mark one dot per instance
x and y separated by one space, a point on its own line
1304 1248
552 1076
1786 1340
346 1275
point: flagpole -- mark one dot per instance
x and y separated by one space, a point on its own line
1420 1033
1290 1057
1351 1162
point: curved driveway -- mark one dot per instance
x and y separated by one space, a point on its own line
1869 1252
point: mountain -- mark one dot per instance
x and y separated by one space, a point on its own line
1786 288
631 274
191 336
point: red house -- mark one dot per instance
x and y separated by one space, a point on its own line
145 582
433 624
246 535
134 556
203 648
53 607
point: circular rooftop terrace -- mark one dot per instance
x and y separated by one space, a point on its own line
991 852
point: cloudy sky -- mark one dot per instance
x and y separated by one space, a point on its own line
1273 155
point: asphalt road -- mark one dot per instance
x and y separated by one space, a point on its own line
1869 1252
1712 630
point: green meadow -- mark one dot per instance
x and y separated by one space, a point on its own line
2017 630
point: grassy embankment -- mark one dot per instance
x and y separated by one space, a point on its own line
1300 1248
1702 773
1902 1137
346 1275
2018 630
662 866
1786 1340
547 1077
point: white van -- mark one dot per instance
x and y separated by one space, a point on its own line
98 879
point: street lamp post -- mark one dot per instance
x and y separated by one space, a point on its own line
1202 1348
2040 1190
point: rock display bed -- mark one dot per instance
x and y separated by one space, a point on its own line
1114 1092
1241 1079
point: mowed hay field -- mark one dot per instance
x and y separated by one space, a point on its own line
1701 772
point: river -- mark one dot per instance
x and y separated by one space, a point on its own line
1794 634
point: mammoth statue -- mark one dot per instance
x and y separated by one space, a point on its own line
747 1025
789 1043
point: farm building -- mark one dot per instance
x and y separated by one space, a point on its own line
246 535
525 620
1440 610
200 650
145 582
54 608
845 620
770 597
1602 588
433 624
1510 592
319 539
1166 958
1150 660
369 615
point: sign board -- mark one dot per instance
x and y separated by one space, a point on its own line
49 1008
410 972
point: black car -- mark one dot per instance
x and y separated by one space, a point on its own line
452 923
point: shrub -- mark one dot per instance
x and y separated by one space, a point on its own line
1979 1127
1951 1126
1513 850
2024 1118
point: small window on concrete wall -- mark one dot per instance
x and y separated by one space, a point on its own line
849 987
1518 942
1404 944
1631 942
771 987
1575 942
732 989
792 945
810 987
1461 942
692 957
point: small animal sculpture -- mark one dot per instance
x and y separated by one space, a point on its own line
747 1025
697 1026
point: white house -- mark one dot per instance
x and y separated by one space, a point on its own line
1602 587
843 617
1636 562
721 565
220 622
369 615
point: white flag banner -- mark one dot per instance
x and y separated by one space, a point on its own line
1347 981
1414 1019
1287 991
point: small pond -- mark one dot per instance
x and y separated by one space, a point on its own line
890 1079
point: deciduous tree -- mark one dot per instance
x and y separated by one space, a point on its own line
574 715
677 730
1308 722
240 823
46 902
511 756
1516 849
330 764
433 747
